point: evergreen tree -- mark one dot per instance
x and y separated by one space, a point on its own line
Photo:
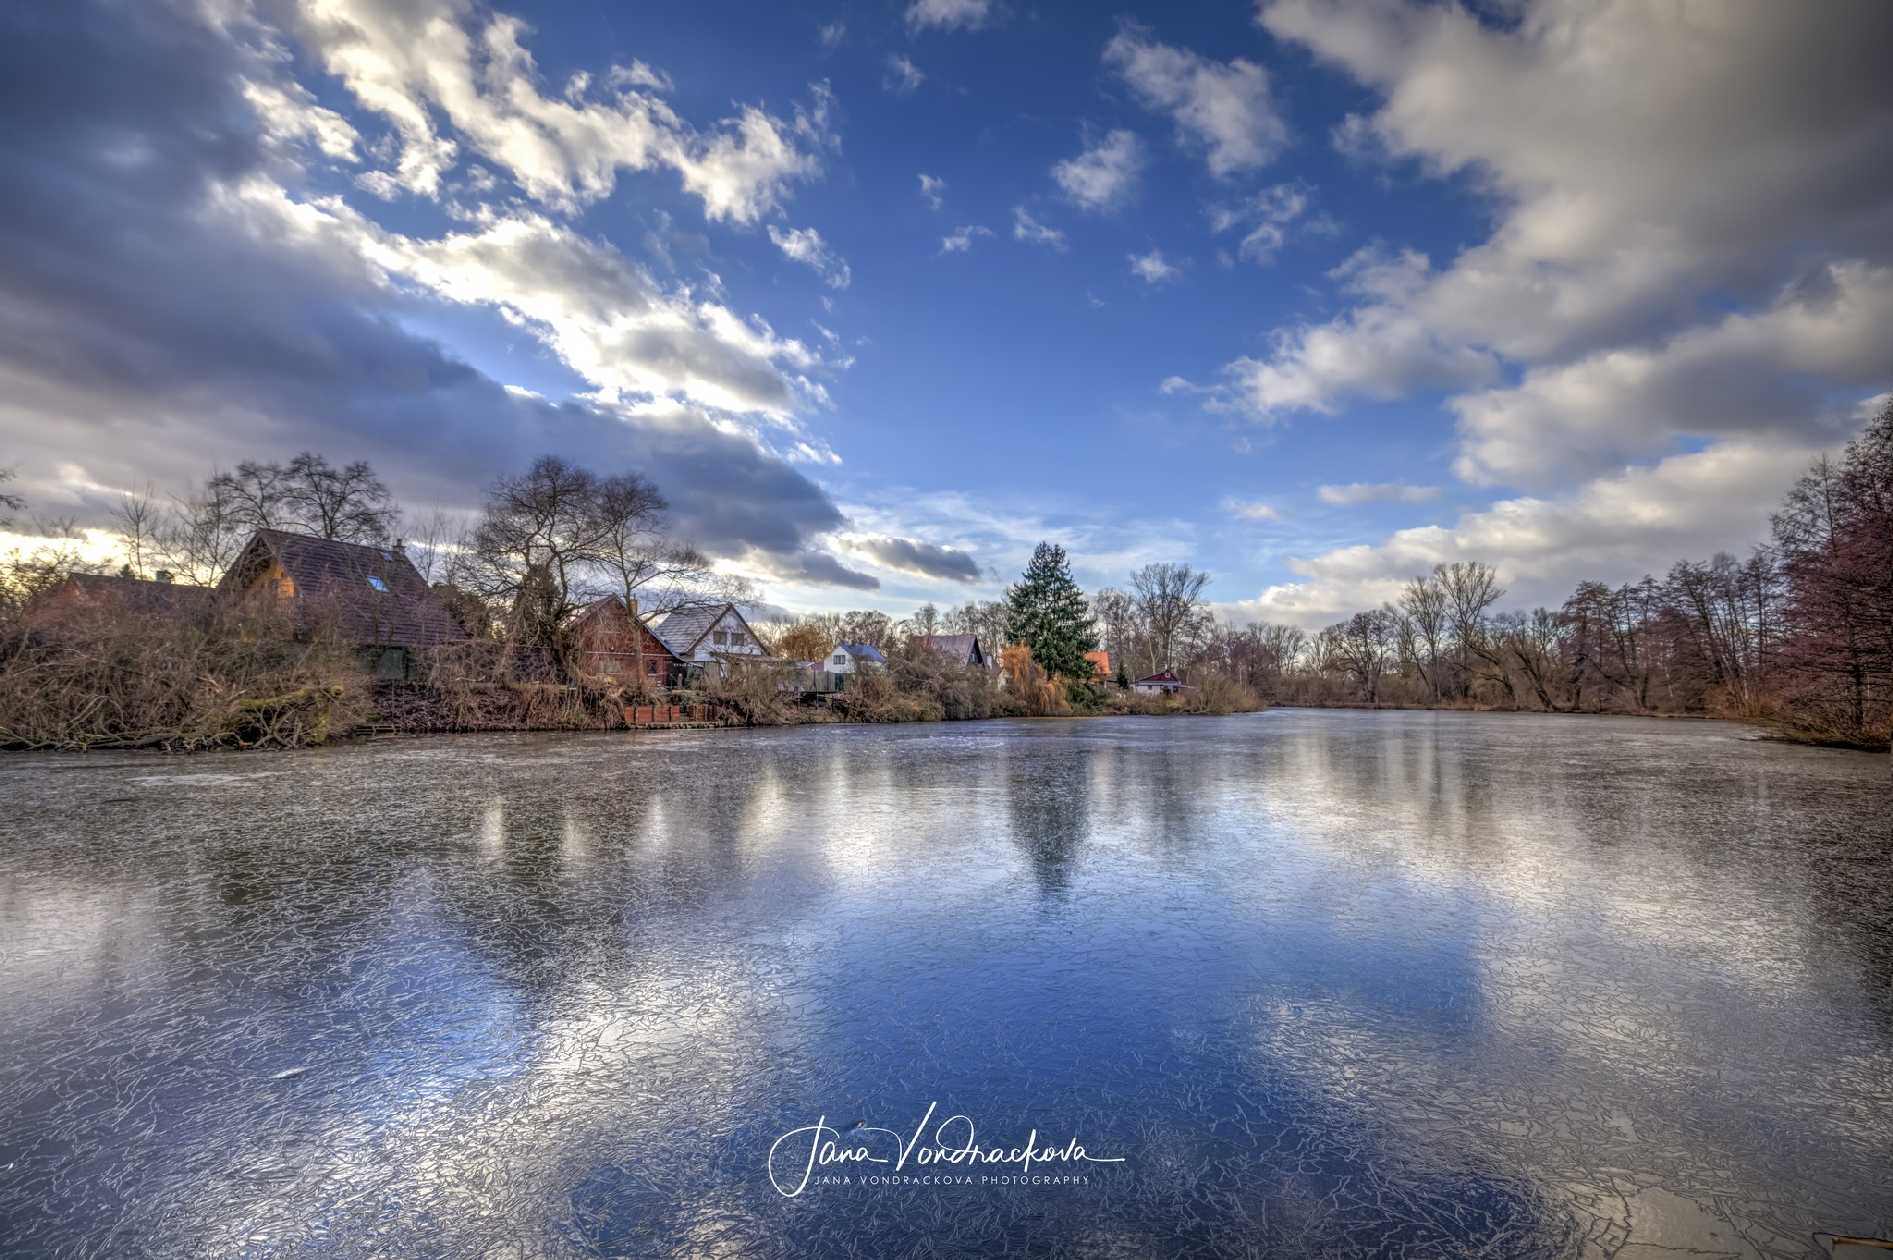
1047 612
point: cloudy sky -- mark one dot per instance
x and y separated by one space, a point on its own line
1311 294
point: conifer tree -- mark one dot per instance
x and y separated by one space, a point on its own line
1047 612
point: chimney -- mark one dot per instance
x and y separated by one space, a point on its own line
401 546
164 575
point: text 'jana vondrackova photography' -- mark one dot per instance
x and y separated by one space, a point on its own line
909 628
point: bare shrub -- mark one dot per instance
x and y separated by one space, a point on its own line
489 685
1035 693
754 696
81 673
875 696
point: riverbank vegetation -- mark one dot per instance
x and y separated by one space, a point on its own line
158 656
1797 636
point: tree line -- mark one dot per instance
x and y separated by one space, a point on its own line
1798 634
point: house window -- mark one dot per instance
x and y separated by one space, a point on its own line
377 583
737 639
650 667
719 638
841 658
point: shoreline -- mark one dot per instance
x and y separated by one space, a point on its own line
372 734
1764 732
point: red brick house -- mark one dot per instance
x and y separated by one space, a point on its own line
609 641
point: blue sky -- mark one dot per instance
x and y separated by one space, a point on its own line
1312 295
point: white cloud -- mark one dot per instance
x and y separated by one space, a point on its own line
443 59
1267 215
833 33
1224 107
960 239
1645 168
1614 529
1375 352
1251 510
1030 230
806 246
902 75
606 318
1151 268
1771 372
932 191
1355 493
1102 177
949 15
288 113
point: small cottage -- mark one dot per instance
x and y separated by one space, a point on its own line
372 596
961 649
1100 665
711 635
1162 683
609 641
855 658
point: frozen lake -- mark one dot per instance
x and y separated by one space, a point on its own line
1402 984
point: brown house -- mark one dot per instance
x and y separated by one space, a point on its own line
961 649
122 594
374 597
610 641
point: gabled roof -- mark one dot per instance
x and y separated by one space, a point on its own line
1162 676
958 647
375 594
1100 662
138 595
861 652
682 629
605 611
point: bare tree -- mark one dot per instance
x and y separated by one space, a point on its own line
985 619
1536 643
309 495
1283 649
349 503
1424 605
1116 615
541 535
926 620
140 523
1472 588
1167 598
8 502
254 495
644 564
1363 647
432 543
203 535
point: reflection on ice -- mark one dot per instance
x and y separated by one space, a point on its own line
1411 984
